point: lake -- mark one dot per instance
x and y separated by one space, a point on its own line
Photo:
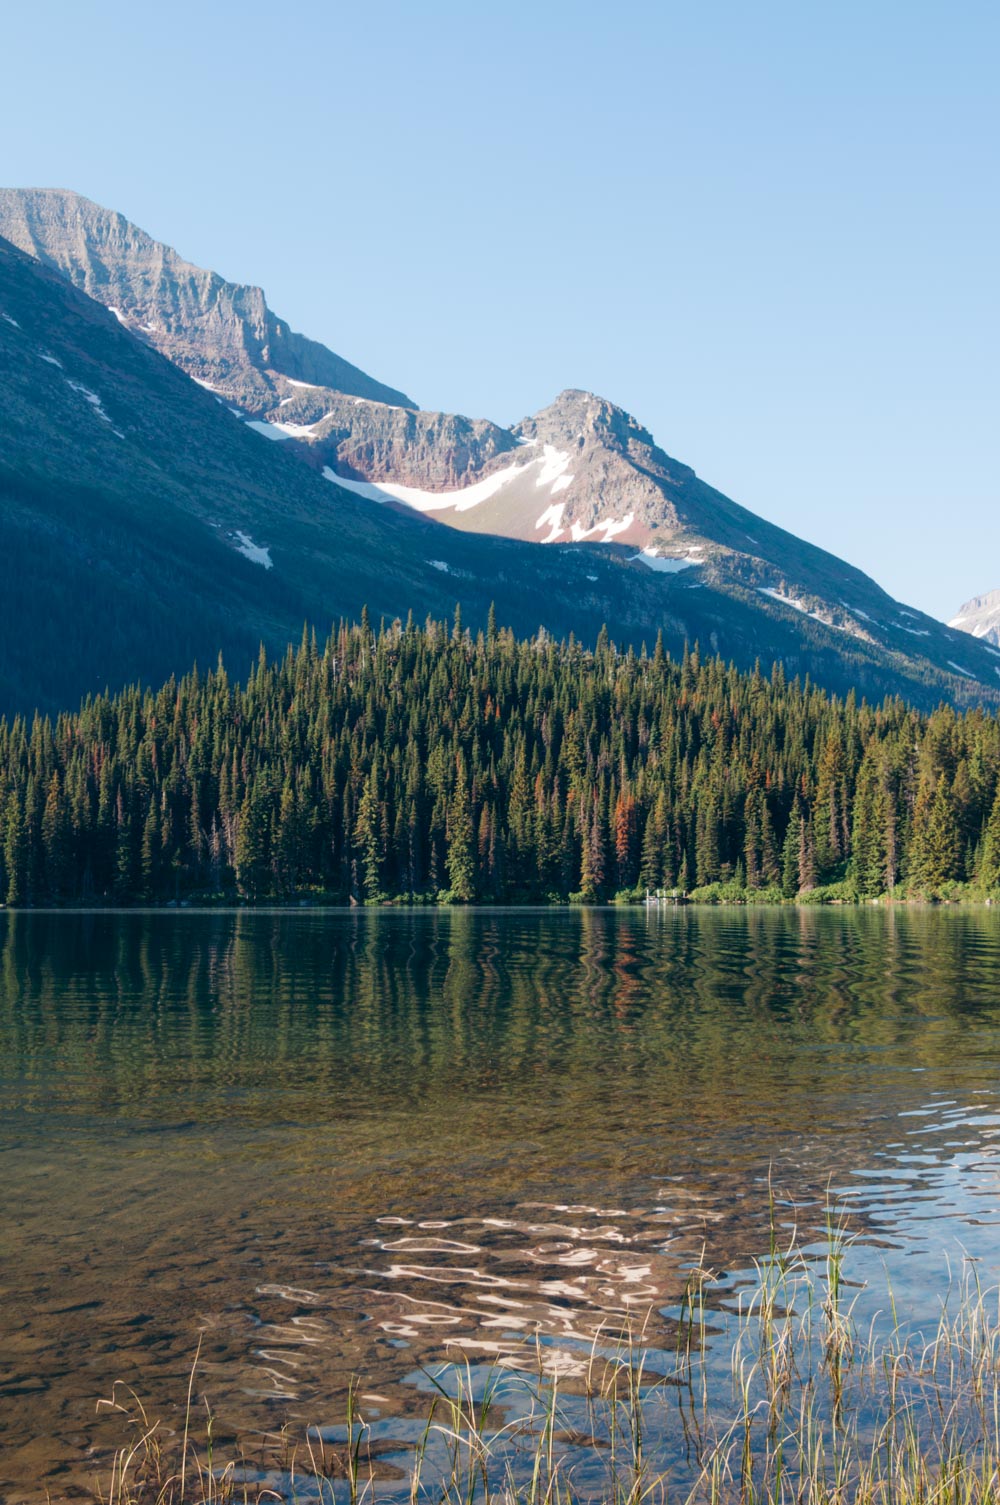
366 1143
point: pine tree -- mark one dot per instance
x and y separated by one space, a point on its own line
252 842
150 852
415 759
653 840
15 852
868 836
366 837
807 856
790 856
289 843
936 851
56 841
989 866
461 862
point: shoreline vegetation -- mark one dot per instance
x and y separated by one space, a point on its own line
771 1393
718 896
424 765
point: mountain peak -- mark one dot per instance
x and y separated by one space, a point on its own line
980 616
580 419
223 334
661 548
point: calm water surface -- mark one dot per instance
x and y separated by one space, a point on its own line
363 1143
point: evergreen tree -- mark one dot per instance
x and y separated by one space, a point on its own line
936 849
461 859
989 872
15 853
418 759
366 837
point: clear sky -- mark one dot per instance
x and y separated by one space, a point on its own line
769 230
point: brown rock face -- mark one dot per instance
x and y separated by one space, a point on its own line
221 333
375 441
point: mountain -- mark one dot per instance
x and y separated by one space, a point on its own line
220 333
980 617
144 523
585 471
143 526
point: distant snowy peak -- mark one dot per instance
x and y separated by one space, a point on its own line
980 617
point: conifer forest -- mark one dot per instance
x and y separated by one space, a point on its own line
425 764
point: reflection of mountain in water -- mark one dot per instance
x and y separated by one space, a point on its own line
362 1142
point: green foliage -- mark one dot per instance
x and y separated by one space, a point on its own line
989 875
426 765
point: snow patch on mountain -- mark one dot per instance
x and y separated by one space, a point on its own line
981 625
430 501
118 315
94 400
269 430
665 564
300 430
959 670
609 526
552 516
255 552
798 605
50 360
10 320
792 601
554 463
551 466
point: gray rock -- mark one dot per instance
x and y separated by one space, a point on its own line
221 333
207 536
980 617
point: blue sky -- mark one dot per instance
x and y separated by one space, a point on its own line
770 231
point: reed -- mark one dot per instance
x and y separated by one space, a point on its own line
771 1397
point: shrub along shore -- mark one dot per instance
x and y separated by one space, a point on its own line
421 764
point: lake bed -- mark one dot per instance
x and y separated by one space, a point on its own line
370 1143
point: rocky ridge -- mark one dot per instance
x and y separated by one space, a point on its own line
223 334
980 617
662 548
144 527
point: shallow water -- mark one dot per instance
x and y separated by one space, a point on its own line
364 1143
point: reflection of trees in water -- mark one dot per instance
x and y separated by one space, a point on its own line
632 1074
685 1005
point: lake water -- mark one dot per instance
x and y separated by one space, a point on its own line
365 1143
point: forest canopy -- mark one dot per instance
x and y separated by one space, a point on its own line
423 763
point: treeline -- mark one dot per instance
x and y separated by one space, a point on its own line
427 764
